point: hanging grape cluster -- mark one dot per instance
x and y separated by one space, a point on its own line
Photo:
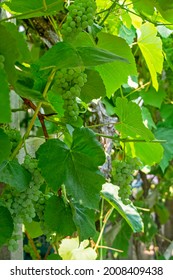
68 83
21 204
14 136
40 206
122 176
81 15
2 59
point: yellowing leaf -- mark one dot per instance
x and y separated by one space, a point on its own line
151 48
70 249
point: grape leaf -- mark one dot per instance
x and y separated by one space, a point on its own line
152 97
34 229
166 9
149 153
58 217
122 238
5 143
94 88
56 102
130 120
27 92
21 43
116 73
5 116
151 47
6 225
165 133
12 173
29 9
9 49
128 212
64 55
74 166
84 220
147 118
144 6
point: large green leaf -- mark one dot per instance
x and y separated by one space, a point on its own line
12 173
29 9
5 116
58 217
5 146
84 220
130 120
76 167
64 55
115 74
151 47
164 133
94 88
6 225
128 212
149 153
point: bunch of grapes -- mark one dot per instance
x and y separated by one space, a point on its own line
2 59
122 176
81 15
21 204
68 82
40 206
14 136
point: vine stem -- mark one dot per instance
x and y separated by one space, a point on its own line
26 135
33 245
110 9
107 216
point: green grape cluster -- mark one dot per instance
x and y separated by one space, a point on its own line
122 176
2 59
40 206
81 15
68 83
14 136
21 204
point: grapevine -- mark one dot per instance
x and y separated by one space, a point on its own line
122 175
68 82
81 15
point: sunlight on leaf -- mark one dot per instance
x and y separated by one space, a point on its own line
151 47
